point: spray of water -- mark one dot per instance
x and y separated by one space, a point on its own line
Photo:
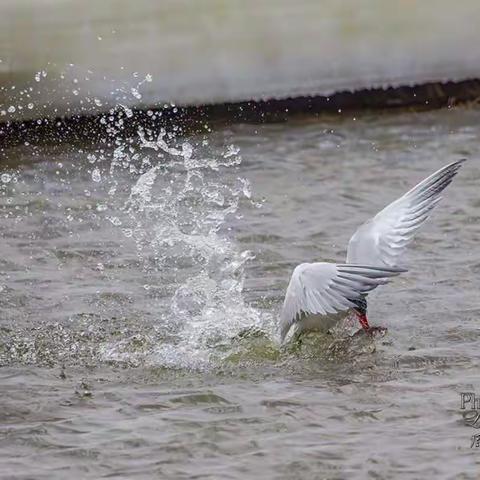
177 212
179 202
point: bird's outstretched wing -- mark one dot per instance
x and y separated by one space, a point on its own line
383 239
328 288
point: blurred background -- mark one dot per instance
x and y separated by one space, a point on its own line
85 56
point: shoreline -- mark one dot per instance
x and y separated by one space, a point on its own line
105 127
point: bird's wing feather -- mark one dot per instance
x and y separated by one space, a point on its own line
383 239
328 288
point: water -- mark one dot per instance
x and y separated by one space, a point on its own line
140 285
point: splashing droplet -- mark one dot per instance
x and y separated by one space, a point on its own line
231 151
96 175
246 189
136 93
115 221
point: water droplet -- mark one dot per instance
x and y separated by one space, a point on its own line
136 93
148 77
246 187
96 175
6 178
187 151
231 150
11 109
127 110
115 221
30 106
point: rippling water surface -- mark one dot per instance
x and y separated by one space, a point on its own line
140 284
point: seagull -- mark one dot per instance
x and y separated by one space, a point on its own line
321 294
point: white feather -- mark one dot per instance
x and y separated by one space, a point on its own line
319 292
327 289
383 239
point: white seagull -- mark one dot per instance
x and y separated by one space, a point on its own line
320 294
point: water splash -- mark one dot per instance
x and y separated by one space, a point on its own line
176 212
175 200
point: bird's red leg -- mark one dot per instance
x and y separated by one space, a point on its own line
373 331
362 318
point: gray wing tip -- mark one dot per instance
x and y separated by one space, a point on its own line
378 268
456 163
454 167
396 269
432 186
